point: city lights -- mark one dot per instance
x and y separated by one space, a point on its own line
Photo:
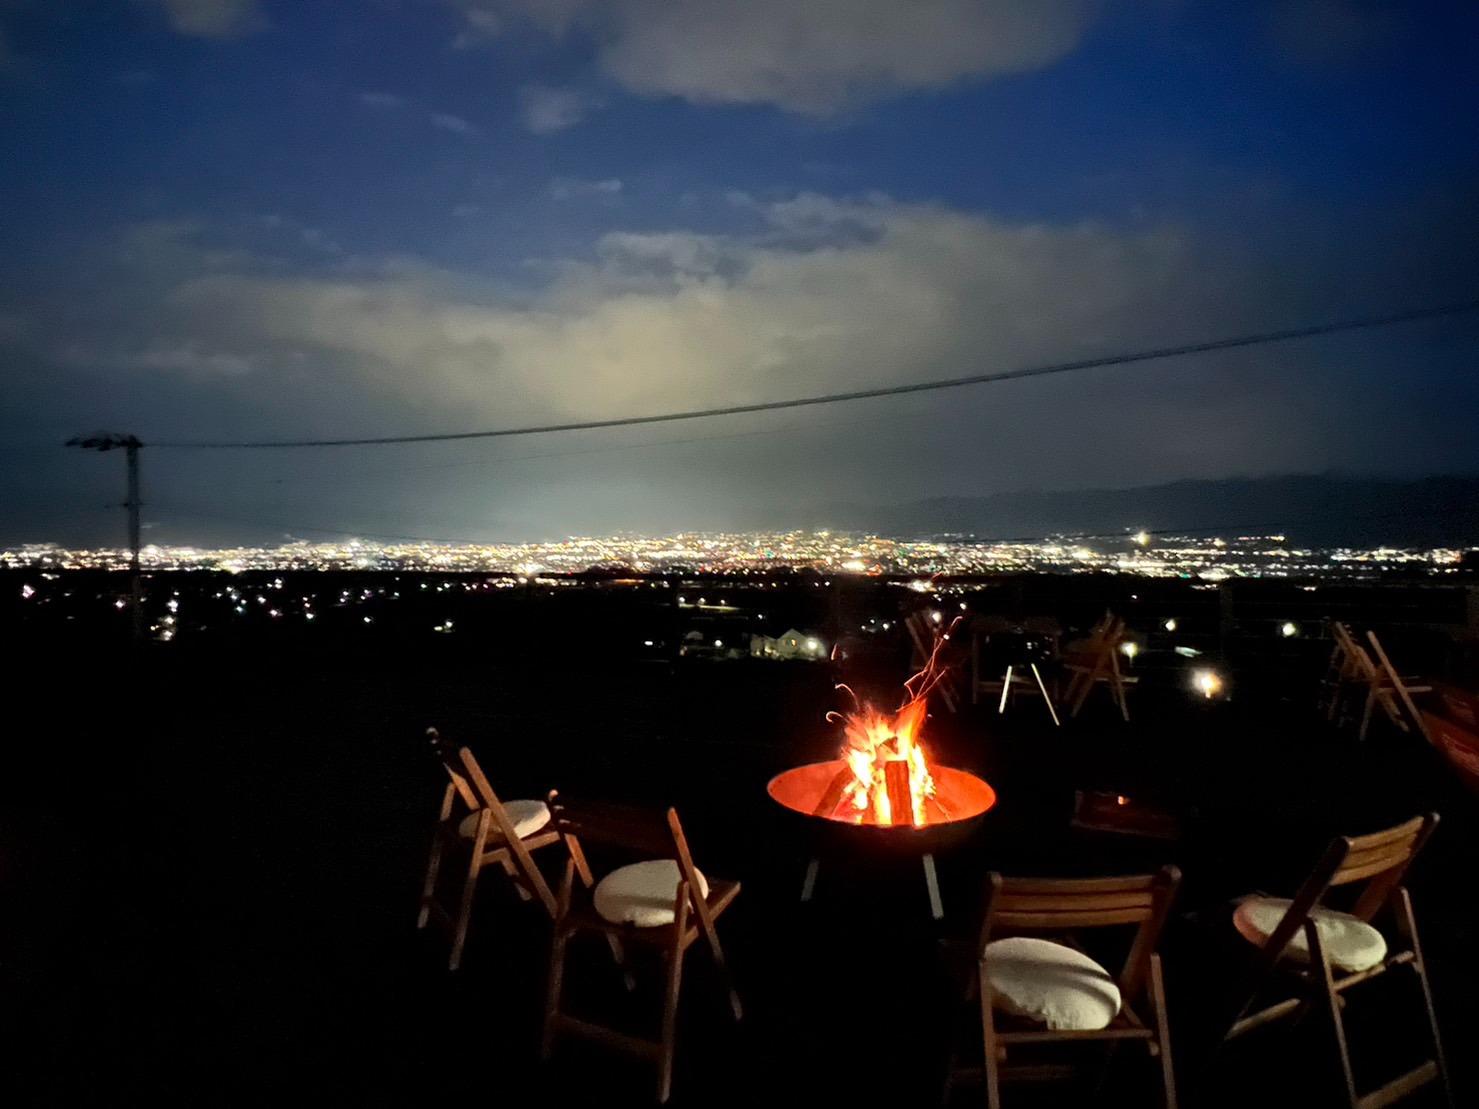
1198 558
1207 682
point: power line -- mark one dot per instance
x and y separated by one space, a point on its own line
1232 343
513 459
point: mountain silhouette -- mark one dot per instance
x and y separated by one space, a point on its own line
1319 510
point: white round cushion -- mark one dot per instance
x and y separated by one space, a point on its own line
527 817
1350 943
1051 984
642 893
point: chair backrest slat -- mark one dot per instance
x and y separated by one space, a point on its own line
1025 920
1404 832
1369 856
1067 905
1369 869
1086 903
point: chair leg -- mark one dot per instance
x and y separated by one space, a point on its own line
1366 715
1163 1032
1325 981
1047 699
553 991
988 1042
429 886
718 952
1118 684
619 955
516 878
670 1020
464 912
1408 925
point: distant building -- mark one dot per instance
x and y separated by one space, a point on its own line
790 644
697 644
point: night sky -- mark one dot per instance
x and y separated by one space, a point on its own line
268 218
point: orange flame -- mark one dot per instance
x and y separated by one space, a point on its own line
876 739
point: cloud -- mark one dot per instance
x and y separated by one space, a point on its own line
480 24
214 19
574 188
545 109
445 121
826 293
810 294
815 57
381 100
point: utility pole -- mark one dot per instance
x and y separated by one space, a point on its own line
107 441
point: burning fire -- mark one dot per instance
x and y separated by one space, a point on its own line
889 769
887 779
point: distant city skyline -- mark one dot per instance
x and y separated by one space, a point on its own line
1203 558
250 219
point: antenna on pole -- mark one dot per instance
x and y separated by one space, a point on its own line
107 441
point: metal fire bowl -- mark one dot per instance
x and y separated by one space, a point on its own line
964 796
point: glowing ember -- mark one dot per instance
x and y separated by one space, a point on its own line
887 777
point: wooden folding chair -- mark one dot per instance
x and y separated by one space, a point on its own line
1035 991
491 832
1317 967
1359 679
925 634
663 903
1404 688
1095 661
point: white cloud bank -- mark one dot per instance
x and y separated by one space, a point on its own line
820 294
815 57
827 293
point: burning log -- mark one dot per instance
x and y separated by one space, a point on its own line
900 793
832 795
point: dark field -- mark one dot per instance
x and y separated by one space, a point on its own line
212 851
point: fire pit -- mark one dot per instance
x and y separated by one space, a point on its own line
883 793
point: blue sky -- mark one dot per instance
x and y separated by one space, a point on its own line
259 218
